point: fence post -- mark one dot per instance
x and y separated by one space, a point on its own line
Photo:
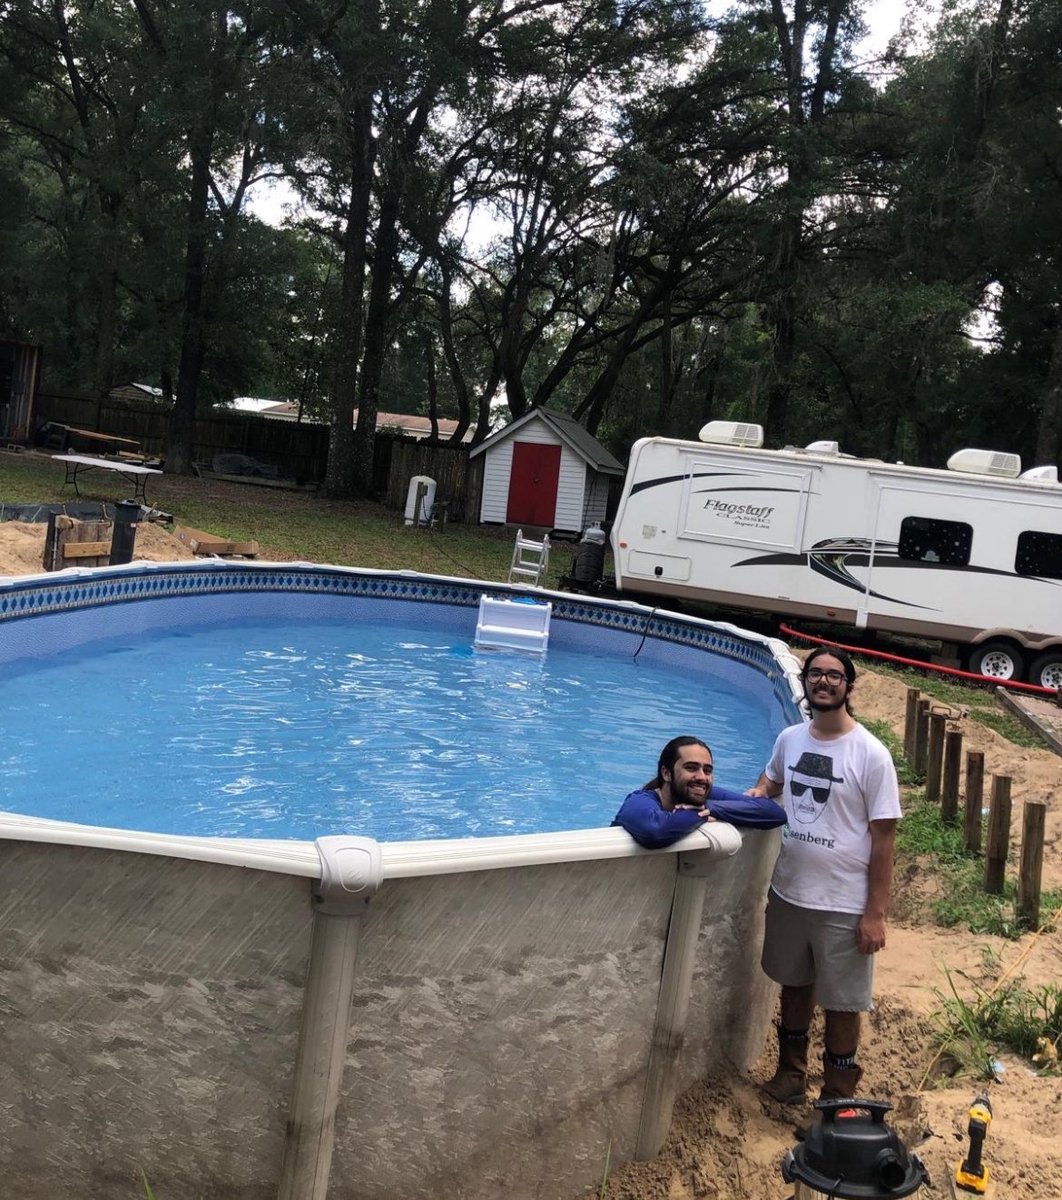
935 757
975 786
921 738
949 796
1032 863
998 834
910 725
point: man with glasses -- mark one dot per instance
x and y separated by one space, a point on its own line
826 905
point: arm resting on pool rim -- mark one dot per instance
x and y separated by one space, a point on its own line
652 826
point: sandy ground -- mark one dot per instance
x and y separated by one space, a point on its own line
727 1141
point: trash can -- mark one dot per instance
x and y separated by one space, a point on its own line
420 500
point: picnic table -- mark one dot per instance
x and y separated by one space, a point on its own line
79 464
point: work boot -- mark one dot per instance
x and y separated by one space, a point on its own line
789 1084
839 1083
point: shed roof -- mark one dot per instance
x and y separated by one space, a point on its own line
569 431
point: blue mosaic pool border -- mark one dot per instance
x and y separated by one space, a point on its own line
37 597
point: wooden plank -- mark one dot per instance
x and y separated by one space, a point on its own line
86 549
201 542
1014 705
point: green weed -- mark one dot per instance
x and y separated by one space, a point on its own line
1012 1016
604 1173
959 896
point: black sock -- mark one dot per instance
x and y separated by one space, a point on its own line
843 1062
791 1035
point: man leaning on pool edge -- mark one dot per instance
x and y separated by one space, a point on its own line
829 891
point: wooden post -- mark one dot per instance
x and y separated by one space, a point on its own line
935 757
910 723
998 834
1032 863
949 795
975 786
921 738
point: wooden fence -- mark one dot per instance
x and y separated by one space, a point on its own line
298 450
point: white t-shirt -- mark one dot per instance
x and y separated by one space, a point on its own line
832 790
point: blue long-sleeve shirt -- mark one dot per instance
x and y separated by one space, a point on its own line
651 825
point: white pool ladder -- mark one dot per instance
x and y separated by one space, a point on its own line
530 559
520 624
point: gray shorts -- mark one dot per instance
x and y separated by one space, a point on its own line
804 946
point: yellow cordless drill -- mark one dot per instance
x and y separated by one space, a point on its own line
971 1174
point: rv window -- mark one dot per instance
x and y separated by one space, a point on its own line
925 539
1040 554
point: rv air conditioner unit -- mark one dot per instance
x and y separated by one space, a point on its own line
1041 474
823 447
986 462
732 433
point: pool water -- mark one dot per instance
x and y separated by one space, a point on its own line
295 730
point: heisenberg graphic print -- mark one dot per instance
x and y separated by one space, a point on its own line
810 781
832 788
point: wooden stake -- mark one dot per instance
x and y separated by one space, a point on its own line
935 757
1032 863
910 724
975 787
949 795
998 835
921 737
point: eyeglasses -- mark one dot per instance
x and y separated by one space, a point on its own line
833 678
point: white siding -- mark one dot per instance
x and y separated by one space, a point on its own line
498 465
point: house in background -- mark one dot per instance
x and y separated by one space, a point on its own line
404 424
546 471
135 391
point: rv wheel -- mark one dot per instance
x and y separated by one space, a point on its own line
1046 670
997 660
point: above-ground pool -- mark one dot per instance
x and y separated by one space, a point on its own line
294 729
375 1011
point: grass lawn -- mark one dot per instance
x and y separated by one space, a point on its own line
289 525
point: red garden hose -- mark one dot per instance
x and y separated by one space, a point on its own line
1032 688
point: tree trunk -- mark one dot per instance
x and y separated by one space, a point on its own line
377 323
180 431
339 474
1048 430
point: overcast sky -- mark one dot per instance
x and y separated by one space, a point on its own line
883 17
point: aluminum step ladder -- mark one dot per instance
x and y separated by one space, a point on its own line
530 559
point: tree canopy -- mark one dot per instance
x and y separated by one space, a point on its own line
646 213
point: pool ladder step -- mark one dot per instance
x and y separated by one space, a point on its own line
521 624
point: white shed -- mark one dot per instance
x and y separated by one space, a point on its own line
545 470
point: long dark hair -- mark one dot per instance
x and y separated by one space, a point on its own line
670 755
849 670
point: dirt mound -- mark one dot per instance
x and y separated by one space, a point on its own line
22 546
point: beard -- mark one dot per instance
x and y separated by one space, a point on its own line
824 704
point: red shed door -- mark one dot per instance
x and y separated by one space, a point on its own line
533 484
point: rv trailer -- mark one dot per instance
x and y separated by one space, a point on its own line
971 555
